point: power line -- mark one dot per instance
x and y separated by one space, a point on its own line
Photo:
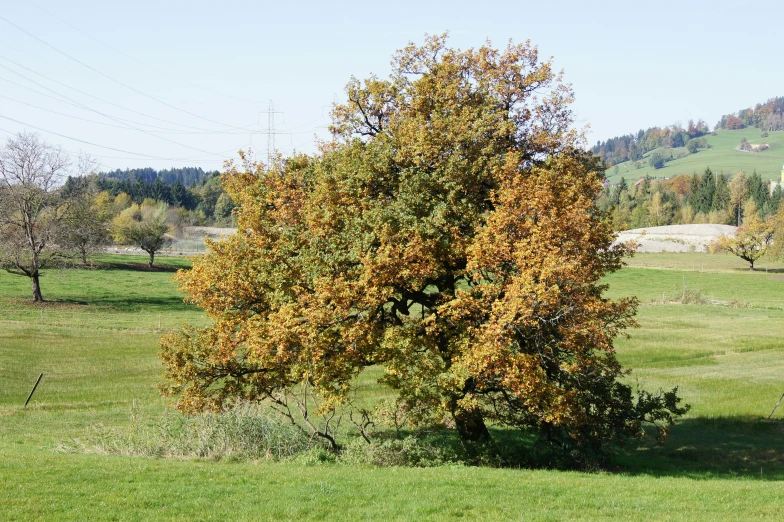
165 130
160 71
147 156
107 115
118 82
209 131
61 113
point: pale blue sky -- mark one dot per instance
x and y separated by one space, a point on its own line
196 74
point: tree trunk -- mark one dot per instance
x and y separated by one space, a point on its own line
471 426
36 284
152 258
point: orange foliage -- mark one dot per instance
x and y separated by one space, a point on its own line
447 234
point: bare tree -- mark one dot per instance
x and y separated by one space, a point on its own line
30 207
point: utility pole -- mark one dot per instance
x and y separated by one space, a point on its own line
271 112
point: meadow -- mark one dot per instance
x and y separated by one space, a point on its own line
722 156
96 341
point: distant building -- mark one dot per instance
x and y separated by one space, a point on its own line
774 183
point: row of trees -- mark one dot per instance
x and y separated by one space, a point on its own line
632 147
45 223
704 198
768 116
205 201
188 176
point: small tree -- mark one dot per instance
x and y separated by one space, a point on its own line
85 226
143 226
751 240
31 209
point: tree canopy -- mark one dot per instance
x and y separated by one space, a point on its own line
143 226
448 233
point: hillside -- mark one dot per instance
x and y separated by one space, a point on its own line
722 156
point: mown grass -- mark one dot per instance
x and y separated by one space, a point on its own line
722 156
99 356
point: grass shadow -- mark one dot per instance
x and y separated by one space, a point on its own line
724 447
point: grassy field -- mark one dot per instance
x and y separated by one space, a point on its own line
96 342
722 156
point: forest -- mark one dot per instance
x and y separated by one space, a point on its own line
198 194
699 198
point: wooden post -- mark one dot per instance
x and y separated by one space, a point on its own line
776 406
36 386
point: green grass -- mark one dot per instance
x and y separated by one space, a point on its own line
722 156
97 345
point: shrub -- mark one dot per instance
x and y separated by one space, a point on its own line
656 160
243 432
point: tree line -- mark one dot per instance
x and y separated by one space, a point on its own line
188 176
768 116
699 198
632 147
203 202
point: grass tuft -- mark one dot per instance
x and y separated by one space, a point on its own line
244 432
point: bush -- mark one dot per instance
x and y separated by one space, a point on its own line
656 160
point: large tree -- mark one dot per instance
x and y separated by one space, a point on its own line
31 209
448 234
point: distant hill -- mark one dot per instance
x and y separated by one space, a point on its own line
747 140
722 155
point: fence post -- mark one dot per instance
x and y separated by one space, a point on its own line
36 386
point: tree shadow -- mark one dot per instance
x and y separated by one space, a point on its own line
138 267
724 447
759 270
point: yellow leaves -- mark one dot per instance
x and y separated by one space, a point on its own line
448 234
751 241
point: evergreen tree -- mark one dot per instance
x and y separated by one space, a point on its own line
721 196
775 200
758 190
703 200
694 186
180 195
622 187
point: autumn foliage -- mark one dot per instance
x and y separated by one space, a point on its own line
448 234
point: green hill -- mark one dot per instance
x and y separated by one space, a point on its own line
722 156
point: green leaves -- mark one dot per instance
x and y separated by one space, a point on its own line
447 234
